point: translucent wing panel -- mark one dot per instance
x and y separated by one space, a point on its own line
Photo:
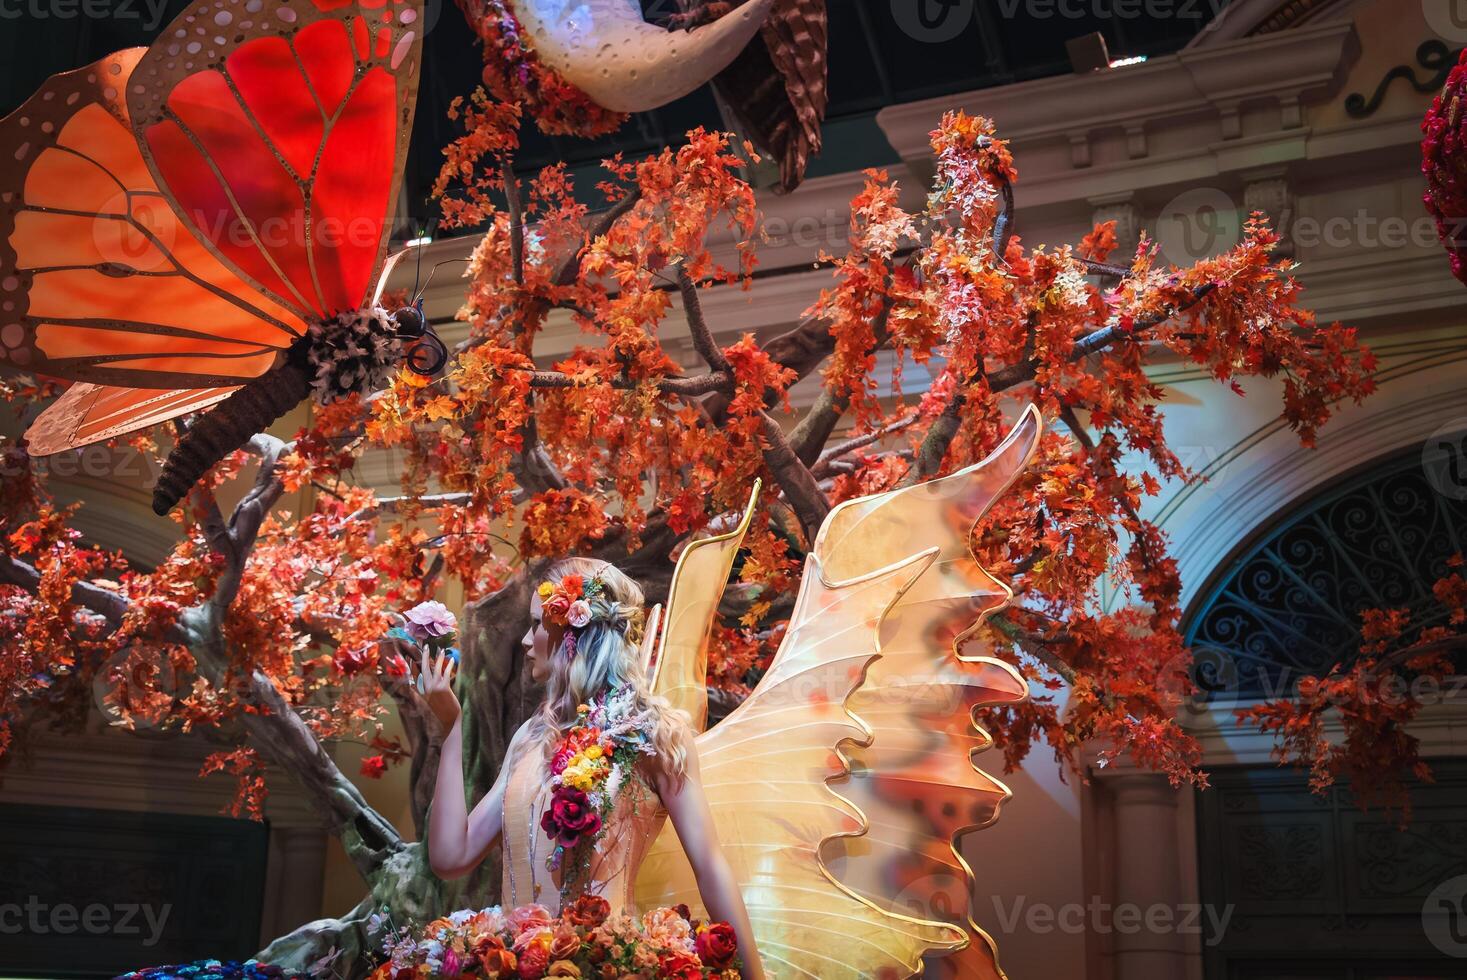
916 781
765 768
680 671
99 279
88 413
280 130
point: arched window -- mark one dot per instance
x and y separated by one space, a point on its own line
1289 602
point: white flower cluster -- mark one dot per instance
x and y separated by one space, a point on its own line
619 719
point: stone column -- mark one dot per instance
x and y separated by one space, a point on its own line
1147 877
1120 208
294 881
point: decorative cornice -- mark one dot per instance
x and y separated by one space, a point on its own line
1217 80
117 771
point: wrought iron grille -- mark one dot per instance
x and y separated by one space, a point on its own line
1289 603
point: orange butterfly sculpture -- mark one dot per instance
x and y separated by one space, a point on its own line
200 225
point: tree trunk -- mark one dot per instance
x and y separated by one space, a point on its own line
497 696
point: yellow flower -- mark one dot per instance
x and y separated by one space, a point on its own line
594 752
546 590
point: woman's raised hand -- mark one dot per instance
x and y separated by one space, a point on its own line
436 675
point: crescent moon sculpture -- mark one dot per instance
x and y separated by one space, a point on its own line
623 63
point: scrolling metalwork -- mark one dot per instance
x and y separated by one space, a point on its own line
1432 55
1289 603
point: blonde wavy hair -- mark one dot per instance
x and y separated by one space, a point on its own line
607 654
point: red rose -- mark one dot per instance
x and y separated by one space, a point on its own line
679 966
373 766
562 759
717 945
570 817
534 961
589 911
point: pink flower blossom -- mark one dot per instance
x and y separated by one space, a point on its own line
430 621
579 613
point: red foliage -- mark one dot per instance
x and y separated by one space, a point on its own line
1371 702
616 447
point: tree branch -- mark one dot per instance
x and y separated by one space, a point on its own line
1094 342
391 505
686 387
566 274
111 606
800 487
516 222
703 341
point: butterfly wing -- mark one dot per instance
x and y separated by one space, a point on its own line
279 130
99 279
918 782
88 413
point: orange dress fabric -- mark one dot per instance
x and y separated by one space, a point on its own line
635 819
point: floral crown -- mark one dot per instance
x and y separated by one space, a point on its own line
569 602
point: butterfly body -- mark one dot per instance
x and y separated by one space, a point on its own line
191 218
352 353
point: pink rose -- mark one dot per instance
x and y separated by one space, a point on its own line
430 621
579 613
526 917
533 963
535 935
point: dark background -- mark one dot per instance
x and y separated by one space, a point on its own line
874 62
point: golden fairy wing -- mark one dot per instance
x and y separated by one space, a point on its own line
765 769
88 413
917 782
680 669
842 785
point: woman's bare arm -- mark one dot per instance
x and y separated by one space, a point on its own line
687 806
458 839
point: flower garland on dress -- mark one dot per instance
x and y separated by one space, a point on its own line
590 766
514 73
585 940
